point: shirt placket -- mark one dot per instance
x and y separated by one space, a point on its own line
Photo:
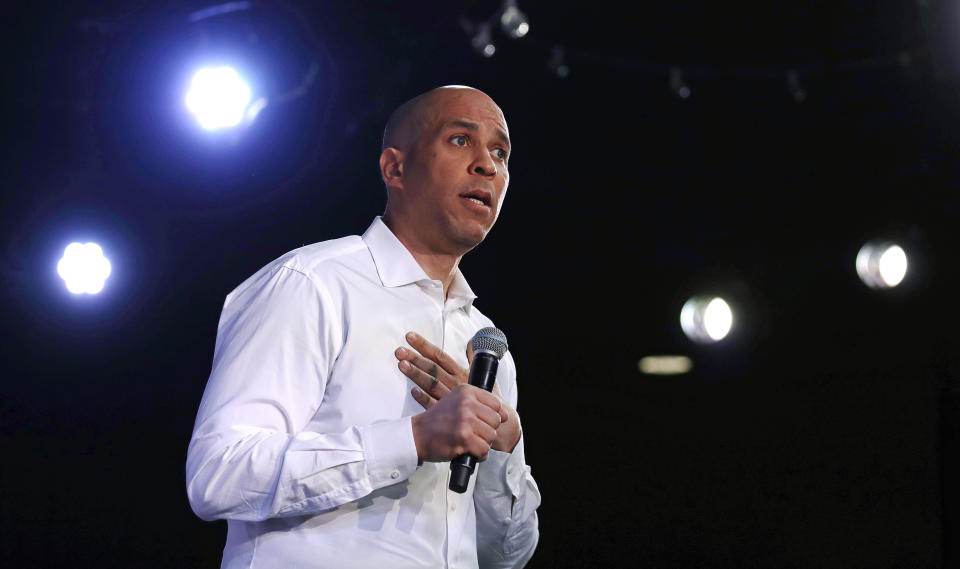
452 337
434 289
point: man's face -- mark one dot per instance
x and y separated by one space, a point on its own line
456 177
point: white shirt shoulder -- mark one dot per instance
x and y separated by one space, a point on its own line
314 261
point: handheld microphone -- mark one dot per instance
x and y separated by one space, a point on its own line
489 345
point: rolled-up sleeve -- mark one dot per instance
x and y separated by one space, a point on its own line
249 458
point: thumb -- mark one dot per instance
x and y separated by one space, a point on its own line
496 391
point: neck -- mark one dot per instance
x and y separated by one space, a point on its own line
438 266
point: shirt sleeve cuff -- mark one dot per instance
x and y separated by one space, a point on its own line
503 472
390 452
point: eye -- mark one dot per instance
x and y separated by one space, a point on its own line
459 140
500 153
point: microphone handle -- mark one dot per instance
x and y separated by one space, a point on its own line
483 372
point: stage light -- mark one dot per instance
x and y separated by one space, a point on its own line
706 319
881 264
513 22
481 39
558 62
218 97
83 268
677 85
665 365
794 87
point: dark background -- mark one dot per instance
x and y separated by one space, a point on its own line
823 432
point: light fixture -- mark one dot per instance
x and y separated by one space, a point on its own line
218 97
794 88
482 41
706 319
83 268
665 365
558 62
881 264
513 22
677 84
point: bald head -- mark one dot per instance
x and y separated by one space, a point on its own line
444 164
406 123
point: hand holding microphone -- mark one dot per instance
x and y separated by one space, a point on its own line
461 419
489 345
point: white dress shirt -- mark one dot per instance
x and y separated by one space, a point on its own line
303 440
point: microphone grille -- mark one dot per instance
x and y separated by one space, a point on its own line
490 339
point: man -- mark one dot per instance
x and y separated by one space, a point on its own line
324 444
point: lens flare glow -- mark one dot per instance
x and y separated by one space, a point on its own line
665 365
881 264
706 319
83 268
218 97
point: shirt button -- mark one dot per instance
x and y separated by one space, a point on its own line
395 474
507 521
509 470
453 506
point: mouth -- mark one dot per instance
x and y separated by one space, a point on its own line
479 197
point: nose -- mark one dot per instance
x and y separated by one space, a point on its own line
483 165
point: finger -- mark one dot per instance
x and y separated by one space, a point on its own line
487 398
422 398
434 370
470 353
424 364
504 414
434 353
479 447
427 367
423 380
490 418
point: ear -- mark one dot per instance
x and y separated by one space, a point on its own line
391 167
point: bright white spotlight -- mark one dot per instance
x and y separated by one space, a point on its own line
84 268
218 97
706 319
881 264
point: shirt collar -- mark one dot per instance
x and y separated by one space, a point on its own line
397 267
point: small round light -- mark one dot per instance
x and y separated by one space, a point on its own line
218 97
489 50
706 319
83 268
893 265
514 23
881 264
